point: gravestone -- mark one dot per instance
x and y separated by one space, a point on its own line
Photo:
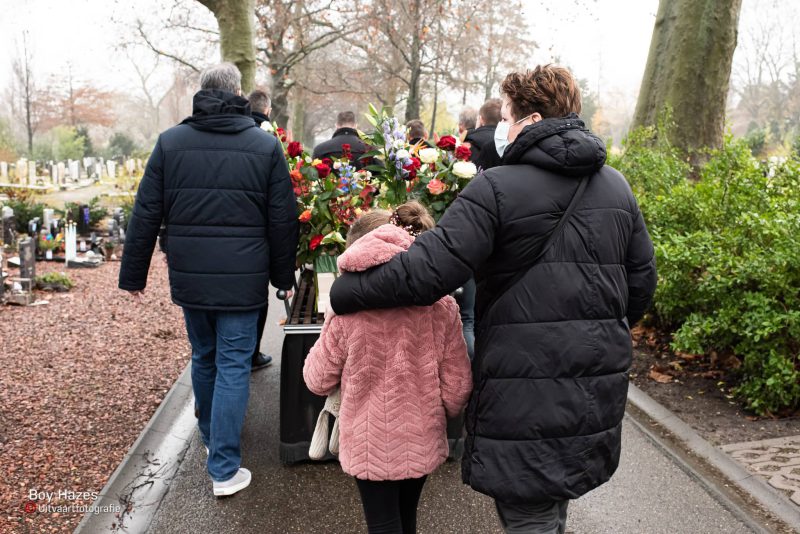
22 171
74 170
54 174
83 219
119 216
3 171
70 242
130 166
34 225
32 178
47 218
98 170
111 167
27 258
139 166
9 226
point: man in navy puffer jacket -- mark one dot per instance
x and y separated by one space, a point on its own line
222 188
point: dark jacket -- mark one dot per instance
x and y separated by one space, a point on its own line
222 188
552 357
332 148
259 117
484 153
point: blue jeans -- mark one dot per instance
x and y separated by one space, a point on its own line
466 303
222 350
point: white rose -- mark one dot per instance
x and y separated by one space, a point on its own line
399 143
428 155
337 165
267 126
402 154
308 159
465 169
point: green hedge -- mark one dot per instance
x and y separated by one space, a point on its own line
728 252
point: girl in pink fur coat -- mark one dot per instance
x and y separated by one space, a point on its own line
402 372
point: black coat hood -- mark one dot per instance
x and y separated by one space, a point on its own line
562 145
221 112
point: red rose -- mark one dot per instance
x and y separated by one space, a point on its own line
294 149
323 170
328 162
463 153
281 134
315 241
346 151
413 167
448 142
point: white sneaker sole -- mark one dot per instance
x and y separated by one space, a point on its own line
230 490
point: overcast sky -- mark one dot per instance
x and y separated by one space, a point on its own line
604 41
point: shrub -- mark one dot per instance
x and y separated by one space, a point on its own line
728 259
54 281
25 207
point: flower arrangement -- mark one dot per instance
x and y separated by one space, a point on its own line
330 193
434 176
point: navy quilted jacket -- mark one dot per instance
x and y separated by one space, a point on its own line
221 185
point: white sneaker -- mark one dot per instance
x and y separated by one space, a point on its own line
239 482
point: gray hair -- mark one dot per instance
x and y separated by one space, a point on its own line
467 118
222 77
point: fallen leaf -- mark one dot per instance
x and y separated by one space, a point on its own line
661 378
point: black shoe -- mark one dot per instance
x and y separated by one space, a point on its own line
260 361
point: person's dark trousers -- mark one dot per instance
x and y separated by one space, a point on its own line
390 506
262 321
222 349
466 305
535 518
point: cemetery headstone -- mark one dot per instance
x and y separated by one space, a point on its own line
74 170
22 171
83 219
4 171
47 218
98 170
27 258
111 167
32 173
62 173
9 226
54 174
34 225
130 166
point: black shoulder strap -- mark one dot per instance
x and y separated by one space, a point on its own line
576 197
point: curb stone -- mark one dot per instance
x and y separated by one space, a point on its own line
134 491
769 498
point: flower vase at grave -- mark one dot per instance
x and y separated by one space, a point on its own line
48 254
83 246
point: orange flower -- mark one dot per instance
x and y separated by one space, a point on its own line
437 187
296 175
305 216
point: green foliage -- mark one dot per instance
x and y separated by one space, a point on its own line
120 146
757 141
60 144
83 133
25 207
728 259
55 280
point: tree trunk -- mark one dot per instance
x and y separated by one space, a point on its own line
688 70
280 92
237 36
435 104
412 105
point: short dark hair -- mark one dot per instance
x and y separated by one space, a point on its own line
416 129
490 112
259 100
345 117
549 90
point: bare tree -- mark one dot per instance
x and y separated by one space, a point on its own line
26 91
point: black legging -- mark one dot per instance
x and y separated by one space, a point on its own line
390 506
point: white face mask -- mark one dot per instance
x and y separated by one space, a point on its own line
501 135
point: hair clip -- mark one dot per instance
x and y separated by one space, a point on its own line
395 220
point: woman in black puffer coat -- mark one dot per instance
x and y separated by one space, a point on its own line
552 355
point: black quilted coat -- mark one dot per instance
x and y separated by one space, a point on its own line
222 187
552 356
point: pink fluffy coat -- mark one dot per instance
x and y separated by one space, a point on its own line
401 370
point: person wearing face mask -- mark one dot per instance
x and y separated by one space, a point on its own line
564 267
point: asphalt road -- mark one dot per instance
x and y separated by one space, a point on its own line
649 494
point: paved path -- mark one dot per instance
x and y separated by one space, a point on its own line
649 494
